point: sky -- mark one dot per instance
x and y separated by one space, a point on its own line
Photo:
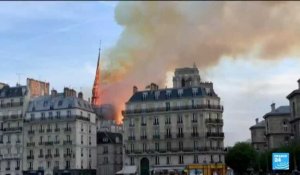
58 42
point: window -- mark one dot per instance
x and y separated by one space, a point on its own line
81 164
132 147
48 164
105 149
56 151
168 160
180 159
58 114
179 119
195 144
81 152
60 102
41 152
67 164
131 160
156 121
144 147
180 145
81 139
81 127
156 160
50 115
90 153
68 138
169 146
156 146
168 106
69 114
143 120
43 115
195 158
194 118
168 120
131 122
105 160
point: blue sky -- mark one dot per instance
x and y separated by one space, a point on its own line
58 42
54 41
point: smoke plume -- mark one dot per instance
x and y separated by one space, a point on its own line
159 36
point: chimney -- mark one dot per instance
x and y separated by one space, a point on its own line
53 92
256 120
272 107
299 84
80 95
153 87
135 89
69 92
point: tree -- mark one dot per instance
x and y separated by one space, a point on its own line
241 157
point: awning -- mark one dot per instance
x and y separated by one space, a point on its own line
127 170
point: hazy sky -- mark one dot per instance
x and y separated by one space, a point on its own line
58 42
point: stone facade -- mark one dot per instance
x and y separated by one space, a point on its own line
171 128
109 153
294 99
258 135
59 134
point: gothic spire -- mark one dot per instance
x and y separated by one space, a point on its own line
96 100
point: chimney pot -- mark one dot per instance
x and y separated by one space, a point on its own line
256 120
273 107
80 95
299 84
135 89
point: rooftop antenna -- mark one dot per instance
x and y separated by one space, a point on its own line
19 77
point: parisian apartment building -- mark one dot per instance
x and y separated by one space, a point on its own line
280 126
60 135
169 128
109 152
13 104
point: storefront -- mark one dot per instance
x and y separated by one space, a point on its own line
207 169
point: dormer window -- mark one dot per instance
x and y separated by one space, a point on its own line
195 91
45 103
180 92
145 95
60 103
157 95
168 93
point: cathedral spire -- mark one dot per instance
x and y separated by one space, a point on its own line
96 88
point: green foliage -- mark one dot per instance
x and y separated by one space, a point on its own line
241 157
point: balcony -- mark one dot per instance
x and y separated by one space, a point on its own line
56 142
10 105
156 136
30 132
56 129
131 138
18 141
215 134
12 117
213 121
57 118
56 155
41 143
155 123
30 157
67 129
68 155
143 137
195 134
131 124
181 108
30 144
194 121
40 156
17 168
143 124
12 129
168 136
7 168
67 142
49 130
48 143
48 156
180 135
41 130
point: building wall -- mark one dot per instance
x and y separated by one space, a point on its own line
70 136
258 138
199 148
11 138
109 158
278 130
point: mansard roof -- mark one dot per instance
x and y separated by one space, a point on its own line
162 94
10 92
59 101
281 110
